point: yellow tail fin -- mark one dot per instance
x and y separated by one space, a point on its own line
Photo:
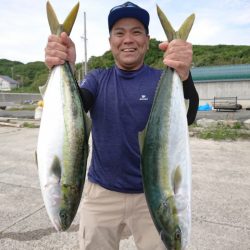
171 34
55 27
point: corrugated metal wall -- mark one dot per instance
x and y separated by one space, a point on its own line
221 73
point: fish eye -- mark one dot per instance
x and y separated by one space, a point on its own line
63 214
178 235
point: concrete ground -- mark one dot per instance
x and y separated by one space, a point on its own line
220 197
240 115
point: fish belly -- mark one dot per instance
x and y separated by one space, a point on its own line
50 145
166 155
179 157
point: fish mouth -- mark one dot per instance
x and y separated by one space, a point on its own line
57 224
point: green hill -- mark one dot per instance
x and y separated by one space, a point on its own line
30 75
34 74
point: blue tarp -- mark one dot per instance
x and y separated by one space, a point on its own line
205 107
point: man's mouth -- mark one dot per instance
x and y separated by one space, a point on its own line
129 50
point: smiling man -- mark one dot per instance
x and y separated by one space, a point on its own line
129 43
119 100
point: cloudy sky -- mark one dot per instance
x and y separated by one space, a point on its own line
24 27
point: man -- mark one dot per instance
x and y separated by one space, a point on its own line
119 100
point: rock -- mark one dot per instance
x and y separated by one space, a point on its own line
205 123
228 123
246 124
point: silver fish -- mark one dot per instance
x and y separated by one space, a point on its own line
165 154
62 147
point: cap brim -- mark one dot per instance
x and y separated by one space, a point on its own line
139 14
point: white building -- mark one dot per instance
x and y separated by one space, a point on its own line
223 81
7 83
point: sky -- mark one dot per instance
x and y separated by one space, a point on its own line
24 27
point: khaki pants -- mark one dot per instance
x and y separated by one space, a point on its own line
105 214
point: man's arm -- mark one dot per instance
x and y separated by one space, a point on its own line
178 54
191 94
87 99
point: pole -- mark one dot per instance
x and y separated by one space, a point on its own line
12 72
85 45
84 37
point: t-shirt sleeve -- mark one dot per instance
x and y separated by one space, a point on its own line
89 89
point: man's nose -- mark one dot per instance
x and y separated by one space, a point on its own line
128 37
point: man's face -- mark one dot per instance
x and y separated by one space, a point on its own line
129 43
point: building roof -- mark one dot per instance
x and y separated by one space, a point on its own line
221 73
9 79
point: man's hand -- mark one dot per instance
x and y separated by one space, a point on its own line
60 49
178 55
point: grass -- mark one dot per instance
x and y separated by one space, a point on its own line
30 125
221 132
29 107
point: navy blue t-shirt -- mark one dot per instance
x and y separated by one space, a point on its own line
122 103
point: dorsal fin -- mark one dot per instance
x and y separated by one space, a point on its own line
55 27
171 34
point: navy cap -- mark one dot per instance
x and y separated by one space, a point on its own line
128 9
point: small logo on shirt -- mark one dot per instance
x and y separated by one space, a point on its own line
143 98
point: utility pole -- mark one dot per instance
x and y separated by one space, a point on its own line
12 72
84 37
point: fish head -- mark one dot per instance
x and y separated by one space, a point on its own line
61 205
65 219
172 241
52 197
170 230
69 204
59 208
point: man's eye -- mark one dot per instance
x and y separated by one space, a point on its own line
137 32
119 33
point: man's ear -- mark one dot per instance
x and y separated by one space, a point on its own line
148 41
109 42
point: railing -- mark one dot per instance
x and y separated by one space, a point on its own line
226 103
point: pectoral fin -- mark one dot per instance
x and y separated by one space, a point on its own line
177 178
56 169
88 125
141 138
42 89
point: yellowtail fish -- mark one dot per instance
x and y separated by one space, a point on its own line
62 147
165 154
